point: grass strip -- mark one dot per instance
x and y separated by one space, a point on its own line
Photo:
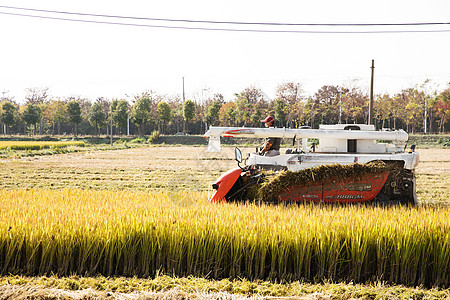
37 145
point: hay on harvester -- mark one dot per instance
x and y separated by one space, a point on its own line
275 185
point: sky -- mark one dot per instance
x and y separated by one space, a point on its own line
92 60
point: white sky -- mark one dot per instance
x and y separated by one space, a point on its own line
93 60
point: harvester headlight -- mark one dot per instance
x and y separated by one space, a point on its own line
406 185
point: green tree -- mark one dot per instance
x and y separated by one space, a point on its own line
227 114
120 110
310 112
246 103
74 112
397 109
243 106
97 116
382 110
212 113
188 112
56 112
256 116
414 108
141 113
164 114
32 115
280 111
8 114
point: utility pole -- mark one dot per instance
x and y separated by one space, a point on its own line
425 115
370 121
128 124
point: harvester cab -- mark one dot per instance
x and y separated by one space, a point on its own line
348 164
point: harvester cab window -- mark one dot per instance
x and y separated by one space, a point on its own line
352 127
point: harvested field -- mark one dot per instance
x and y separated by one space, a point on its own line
167 288
433 176
39 292
141 169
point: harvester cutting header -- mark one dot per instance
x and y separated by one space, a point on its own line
335 163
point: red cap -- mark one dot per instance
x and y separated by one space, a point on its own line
269 119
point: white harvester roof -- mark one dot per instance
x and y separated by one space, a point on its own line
338 138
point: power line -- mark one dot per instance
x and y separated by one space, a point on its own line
223 29
226 22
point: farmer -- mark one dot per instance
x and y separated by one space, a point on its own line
271 145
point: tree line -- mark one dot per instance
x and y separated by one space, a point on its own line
412 109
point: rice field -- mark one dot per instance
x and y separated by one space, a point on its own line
110 233
143 212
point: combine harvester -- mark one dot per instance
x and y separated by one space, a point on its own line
350 164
